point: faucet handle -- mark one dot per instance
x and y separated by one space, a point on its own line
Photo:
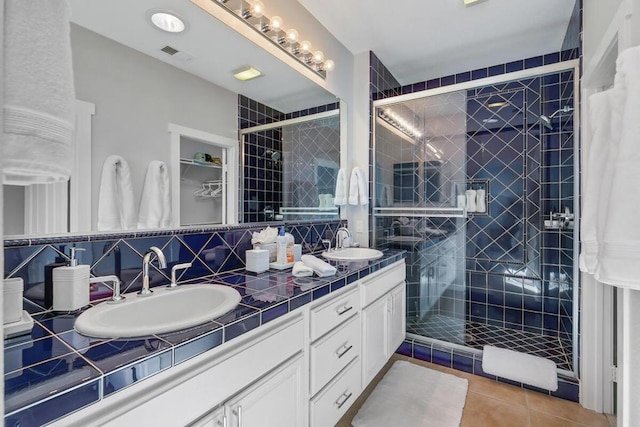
327 244
174 283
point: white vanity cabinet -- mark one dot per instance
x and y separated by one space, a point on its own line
383 318
334 354
274 401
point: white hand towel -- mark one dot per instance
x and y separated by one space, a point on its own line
595 153
341 189
300 269
115 202
39 95
471 200
358 188
619 249
321 268
155 205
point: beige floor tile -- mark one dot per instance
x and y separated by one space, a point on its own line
565 409
539 419
511 394
484 411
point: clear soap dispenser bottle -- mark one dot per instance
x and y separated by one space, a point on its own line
71 285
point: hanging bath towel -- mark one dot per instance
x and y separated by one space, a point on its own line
39 96
341 189
115 203
358 188
155 205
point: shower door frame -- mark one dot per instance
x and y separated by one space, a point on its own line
571 65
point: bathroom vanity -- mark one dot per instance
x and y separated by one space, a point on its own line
301 359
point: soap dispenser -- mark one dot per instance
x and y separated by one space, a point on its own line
71 285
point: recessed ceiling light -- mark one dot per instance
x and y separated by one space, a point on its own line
472 2
166 21
247 73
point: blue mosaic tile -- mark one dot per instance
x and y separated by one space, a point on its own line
299 301
448 80
514 66
114 354
462 362
56 407
131 374
274 312
34 383
496 70
235 329
197 346
422 352
441 356
30 353
480 73
477 368
320 292
406 349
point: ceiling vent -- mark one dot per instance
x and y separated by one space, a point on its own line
182 56
169 50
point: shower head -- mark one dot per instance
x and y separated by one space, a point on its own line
546 120
271 155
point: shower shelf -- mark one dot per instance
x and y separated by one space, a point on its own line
308 211
191 162
420 212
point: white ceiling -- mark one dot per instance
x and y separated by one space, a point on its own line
422 39
216 50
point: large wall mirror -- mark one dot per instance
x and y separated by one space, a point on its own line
144 95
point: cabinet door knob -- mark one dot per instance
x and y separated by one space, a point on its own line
343 309
342 353
343 399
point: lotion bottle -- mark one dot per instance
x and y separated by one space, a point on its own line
281 247
71 285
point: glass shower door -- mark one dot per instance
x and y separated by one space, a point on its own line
420 206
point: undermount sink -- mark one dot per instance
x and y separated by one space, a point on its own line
353 254
166 310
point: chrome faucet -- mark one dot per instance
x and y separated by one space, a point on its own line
116 297
340 238
146 259
174 269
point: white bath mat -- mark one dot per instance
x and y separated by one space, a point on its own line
413 396
520 367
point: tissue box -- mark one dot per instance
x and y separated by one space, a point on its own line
257 260
272 248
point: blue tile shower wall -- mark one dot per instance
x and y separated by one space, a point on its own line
491 296
212 251
262 175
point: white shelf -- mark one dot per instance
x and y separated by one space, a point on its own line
192 162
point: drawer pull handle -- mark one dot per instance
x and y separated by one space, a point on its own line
223 423
345 351
344 398
342 310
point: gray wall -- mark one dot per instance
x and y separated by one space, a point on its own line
136 97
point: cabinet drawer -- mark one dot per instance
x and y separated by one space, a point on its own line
374 287
327 316
332 353
334 401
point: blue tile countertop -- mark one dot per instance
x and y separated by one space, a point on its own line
55 371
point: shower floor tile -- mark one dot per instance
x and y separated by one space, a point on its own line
476 335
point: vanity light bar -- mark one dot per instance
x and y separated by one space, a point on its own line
272 29
398 122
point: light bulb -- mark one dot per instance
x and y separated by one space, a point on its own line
257 9
305 47
318 57
292 36
329 65
276 23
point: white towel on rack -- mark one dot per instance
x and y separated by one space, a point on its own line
115 202
39 96
619 248
358 187
341 189
155 204
595 153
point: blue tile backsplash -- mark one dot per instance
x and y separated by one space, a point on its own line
71 370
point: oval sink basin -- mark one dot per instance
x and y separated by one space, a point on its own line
166 310
353 254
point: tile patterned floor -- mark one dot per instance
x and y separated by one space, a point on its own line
493 404
477 335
